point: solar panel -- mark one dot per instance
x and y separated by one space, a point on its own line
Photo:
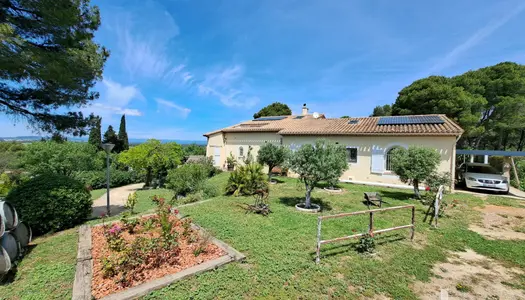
269 118
404 120
299 117
353 121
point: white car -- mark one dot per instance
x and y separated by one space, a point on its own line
483 177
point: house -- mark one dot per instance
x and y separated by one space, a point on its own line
369 141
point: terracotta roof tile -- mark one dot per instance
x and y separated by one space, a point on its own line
322 126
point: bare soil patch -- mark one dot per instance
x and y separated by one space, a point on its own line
468 275
158 264
501 222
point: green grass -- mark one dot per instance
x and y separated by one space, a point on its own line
95 194
47 271
280 248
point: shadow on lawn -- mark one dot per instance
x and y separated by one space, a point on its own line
292 201
10 277
397 195
334 250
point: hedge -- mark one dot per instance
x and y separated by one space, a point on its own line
51 202
97 179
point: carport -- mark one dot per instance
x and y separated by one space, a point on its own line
508 160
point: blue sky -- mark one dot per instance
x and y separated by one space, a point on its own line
180 68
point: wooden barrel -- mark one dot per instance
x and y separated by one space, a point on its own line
11 244
2 226
5 261
9 215
23 234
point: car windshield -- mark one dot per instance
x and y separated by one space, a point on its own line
482 169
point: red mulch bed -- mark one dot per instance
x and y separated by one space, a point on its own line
172 261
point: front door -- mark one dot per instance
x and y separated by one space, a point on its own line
217 156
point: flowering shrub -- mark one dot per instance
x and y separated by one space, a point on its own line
114 238
131 250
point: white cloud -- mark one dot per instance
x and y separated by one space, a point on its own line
104 109
474 39
119 95
183 111
186 77
222 84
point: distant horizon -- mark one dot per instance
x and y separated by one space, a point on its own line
85 139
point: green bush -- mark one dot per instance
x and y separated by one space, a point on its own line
51 202
187 179
97 179
246 180
193 197
210 190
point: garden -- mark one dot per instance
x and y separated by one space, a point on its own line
261 221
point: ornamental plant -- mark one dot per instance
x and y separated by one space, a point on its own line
114 238
322 161
415 165
131 202
272 156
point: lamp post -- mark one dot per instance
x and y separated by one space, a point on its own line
107 148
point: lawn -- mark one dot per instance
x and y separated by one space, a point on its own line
280 248
95 194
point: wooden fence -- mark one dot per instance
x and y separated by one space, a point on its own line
371 230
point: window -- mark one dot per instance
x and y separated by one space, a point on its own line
241 151
351 155
388 160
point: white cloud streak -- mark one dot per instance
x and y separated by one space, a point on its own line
221 83
474 40
183 111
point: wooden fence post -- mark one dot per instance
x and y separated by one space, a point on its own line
318 250
413 230
371 225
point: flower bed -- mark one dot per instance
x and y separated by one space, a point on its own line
134 251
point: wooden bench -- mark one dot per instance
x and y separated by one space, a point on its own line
373 198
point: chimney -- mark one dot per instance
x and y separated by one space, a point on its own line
305 110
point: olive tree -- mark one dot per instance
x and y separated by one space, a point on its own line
271 155
314 163
415 165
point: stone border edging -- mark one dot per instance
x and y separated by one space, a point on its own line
84 268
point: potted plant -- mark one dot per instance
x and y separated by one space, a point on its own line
231 162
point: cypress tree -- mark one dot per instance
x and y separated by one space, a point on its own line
123 135
110 136
95 134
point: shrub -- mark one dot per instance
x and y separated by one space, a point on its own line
187 179
246 180
435 180
210 190
366 244
60 158
97 179
194 197
51 202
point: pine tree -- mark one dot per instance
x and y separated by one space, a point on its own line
110 136
123 135
95 137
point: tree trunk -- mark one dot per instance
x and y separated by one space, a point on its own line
416 189
148 177
270 173
308 202
522 138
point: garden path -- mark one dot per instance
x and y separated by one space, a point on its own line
117 198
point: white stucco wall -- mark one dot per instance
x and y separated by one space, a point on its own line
370 165
371 150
